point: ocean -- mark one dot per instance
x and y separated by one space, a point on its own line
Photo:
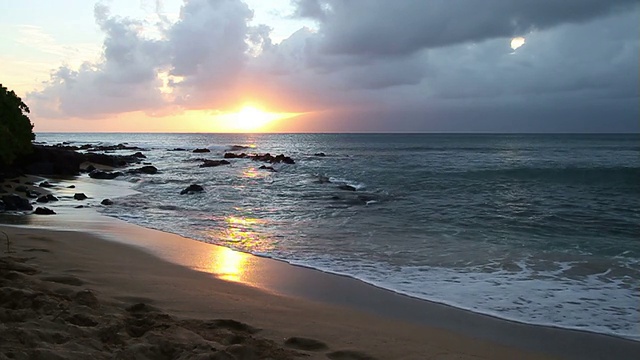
541 229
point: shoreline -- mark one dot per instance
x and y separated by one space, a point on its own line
293 280
281 279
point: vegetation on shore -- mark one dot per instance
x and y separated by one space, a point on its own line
16 129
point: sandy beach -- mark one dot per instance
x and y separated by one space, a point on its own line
110 289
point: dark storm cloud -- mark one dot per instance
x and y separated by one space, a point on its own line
382 27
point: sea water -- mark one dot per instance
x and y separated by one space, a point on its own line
542 229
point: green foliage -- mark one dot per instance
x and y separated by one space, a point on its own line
15 127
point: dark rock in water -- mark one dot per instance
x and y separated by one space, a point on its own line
234 156
111 160
193 188
201 150
21 188
80 196
148 169
51 160
270 168
47 198
44 211
16 203
139 155
32 194
320 154
272 159
212 163
89 168
106 202
71 187
178 149
45 184
106 175
79 207
347 187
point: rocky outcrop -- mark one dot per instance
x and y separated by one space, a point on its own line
193 188
203 150
46 198
16 203
213 163
272 159
234 156
80 196
47 160
270 168
107 202
44 211
105 175
148 169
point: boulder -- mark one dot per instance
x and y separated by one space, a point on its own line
203 150
16 203
44 211
80 196
234 156
71 187
106 202
212 163
148 169
45 184
193 188
51 160
272 159
270 168
46 198
139 155
105 175
320 154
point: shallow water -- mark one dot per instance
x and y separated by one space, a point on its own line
536 228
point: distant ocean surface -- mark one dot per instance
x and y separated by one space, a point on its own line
542 229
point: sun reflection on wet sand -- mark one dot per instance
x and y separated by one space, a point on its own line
230 264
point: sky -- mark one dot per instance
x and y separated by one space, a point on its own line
324 65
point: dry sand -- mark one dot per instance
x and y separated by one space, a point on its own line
73 295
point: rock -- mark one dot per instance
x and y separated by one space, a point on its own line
346 187
270 168
238 147
212 163
80 196
78 207
106 202
139 155
234 156
178 149
51 160
204 150
105 175
112 160
44 211
71 187
148 169
272 159
45 184
16 203
86 298
193 188
320 154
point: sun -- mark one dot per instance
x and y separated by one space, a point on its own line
517 42
251 118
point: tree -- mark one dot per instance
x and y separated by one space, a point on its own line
15 127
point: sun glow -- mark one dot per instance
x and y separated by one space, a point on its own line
251 118
517 42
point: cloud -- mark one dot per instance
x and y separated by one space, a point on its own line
372 65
